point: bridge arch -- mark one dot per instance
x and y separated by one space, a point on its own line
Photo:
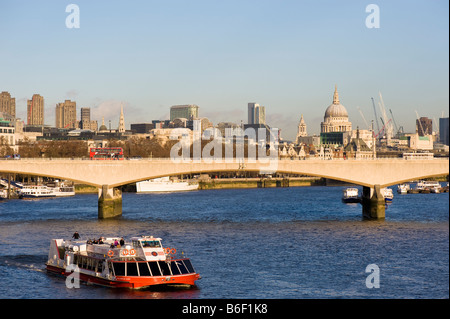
347 180
108 175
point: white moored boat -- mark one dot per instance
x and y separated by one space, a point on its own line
350 195
403 188
36 191
164 184
428 187
62 191
40 191
388 194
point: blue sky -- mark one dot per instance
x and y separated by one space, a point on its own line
220 55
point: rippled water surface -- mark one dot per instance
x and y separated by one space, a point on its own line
298 242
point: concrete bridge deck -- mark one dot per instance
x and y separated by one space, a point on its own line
107 174
383 171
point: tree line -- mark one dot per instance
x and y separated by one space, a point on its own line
133 147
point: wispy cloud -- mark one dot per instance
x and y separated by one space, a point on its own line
110 111
216 116
72 94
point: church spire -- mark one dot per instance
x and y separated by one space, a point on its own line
335 96
301 128
121 120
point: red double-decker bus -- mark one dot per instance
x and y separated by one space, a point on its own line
106 153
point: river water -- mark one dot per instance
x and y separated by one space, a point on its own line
283 243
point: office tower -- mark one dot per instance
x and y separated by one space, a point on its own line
260 115
424 126
444 130
256 114
7 104
35 110
66 114
189 112
85 114
85 122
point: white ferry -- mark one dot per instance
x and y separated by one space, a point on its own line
39 191
140 263
428 186
164 184
35 191
62 191
350 195
403 188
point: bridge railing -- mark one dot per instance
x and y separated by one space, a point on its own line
235 160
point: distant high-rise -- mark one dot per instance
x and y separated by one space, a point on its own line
35 110
424 126
444 130
189 112
66 114
256 114
85 122
85 114
7 104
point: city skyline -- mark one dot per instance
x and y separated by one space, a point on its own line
287 56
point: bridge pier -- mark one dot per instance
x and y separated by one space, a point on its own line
109 202
373 204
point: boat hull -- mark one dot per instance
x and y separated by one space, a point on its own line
133 282
351 200
37 196
64 194
143 187
164 185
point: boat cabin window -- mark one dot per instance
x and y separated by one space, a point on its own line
136 244
150 243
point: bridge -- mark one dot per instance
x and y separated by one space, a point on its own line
372 174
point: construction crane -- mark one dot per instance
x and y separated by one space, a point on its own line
383 128
395 124
70 123
420 123
388 125
362 115
436 125
375 111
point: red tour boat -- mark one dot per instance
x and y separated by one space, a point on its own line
141 263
